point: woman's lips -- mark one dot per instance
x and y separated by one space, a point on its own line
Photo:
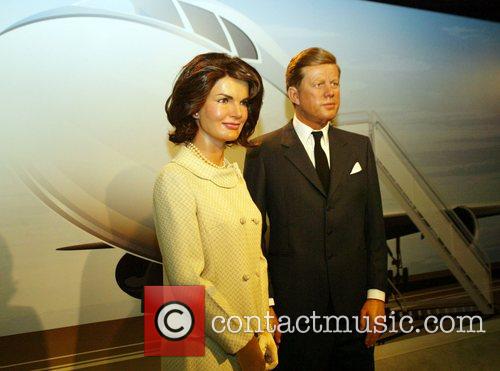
329 105
231 125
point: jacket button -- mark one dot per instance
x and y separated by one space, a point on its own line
255 220
257 273
243 220
246 277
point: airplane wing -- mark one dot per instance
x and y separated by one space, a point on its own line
86 246
483 211
396 224
400 224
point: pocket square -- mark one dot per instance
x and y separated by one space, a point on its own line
356 168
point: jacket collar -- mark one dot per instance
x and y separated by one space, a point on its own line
296 153
339 158
226 178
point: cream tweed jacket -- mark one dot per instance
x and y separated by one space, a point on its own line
209 233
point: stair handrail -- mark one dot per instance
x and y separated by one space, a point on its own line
448 213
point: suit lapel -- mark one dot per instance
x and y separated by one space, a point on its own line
295 152
340 160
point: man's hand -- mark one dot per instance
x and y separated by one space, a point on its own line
274 323
250 357
372 309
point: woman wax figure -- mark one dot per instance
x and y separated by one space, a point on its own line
208 228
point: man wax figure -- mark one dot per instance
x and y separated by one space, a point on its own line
318 186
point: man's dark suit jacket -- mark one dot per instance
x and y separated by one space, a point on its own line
321 243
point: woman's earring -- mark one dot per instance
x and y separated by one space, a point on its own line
196 115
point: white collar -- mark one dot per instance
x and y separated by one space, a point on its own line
304 131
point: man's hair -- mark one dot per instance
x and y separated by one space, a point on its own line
307 57
193 85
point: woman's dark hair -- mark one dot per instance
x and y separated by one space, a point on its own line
193 85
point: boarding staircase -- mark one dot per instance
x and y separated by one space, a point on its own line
438 223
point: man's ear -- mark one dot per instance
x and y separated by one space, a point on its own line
293 95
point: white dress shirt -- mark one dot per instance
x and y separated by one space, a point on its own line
304 133
306 138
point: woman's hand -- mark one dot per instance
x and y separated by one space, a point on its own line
250 357
269 349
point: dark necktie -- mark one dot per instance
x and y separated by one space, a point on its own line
321 161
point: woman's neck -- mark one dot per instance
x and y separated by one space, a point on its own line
214 152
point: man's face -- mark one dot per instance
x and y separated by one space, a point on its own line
317 98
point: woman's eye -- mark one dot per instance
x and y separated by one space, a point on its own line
245 103
223 100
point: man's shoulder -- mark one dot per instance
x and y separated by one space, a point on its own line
350 137
269 138
268 141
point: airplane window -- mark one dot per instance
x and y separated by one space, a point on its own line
162 10
244 46
206 24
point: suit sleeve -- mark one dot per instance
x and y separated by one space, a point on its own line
181 248
254 173
374 228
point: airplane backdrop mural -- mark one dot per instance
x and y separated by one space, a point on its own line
83 85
